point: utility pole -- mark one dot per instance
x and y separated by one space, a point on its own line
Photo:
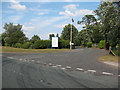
71 34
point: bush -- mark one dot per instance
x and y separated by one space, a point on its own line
102 44
18 45
26 45
89 44
42 44
6 44
64 44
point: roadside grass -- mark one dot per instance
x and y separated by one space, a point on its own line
21 50
110 58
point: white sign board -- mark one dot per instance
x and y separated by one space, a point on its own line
54 41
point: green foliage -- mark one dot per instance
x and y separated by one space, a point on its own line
108 14
64 43
12 34
50 36
26 45
102 44
42 44
89 44
34 38
66 32
97 35
18 45
6 44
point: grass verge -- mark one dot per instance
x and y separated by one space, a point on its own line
21 50
110 58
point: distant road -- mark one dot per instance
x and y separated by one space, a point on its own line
79 68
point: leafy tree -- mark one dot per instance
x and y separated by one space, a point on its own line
83 36
109 17
57 35
89 21
35 38
97 35
12 33
66 32
50 36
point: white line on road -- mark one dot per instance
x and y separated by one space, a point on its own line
58 65
63 68
20 59
91 71
50 64
68 67
106 73
10 57
33 60
54 66
79 69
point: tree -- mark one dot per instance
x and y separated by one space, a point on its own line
83 36
12 33
50 36
90 21
108 14
97 35
57 35
66 32
35 38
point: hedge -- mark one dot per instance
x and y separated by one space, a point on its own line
102 44
42 44
89 44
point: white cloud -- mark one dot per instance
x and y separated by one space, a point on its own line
73 11
41 13
28 28
16 5
71 7
60 26
15 19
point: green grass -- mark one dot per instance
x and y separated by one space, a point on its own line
21 50
110 58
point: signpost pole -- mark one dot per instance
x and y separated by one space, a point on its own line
71 36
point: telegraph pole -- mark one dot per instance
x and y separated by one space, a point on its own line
71 35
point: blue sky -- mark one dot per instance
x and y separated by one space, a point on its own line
43 18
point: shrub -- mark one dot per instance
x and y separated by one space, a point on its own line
89 44
18 45
64 44
26 45
6 44
42 44
102 44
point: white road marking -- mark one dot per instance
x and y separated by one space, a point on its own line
58 65
54 66
38 61
118 75
106 73
20 59
50 64
68 67
80 69
91 71
63 68
10 57
33 60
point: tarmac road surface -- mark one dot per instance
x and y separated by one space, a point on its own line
78 68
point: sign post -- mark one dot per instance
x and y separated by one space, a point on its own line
54 41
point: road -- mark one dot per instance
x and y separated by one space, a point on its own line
79 68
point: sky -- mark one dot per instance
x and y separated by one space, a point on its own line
44 18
